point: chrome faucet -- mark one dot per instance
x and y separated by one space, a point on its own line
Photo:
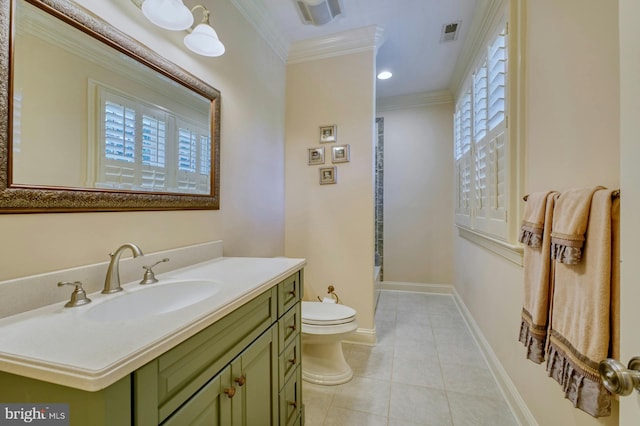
112 282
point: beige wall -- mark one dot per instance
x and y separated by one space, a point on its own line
629 12
572 112
251 219
418 200
332 225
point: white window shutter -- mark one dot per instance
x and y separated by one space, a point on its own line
497 70
193 147
481 145
119 132
491 214
463 188
480 103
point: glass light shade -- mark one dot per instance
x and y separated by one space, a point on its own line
204 41
168 14
384 75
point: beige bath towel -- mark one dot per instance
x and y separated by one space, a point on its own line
570 223
536 235
533 219
584 301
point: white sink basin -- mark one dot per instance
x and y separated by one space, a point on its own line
153 299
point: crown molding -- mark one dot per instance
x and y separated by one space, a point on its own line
416 100
343 43
259 17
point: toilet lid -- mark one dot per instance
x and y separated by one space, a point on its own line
318 313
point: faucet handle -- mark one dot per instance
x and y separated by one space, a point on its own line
149 276
78 297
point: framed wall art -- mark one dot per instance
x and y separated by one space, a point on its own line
328 133
340 154
315 156
328 175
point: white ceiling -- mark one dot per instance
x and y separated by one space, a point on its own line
412 49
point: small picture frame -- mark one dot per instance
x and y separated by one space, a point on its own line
315 156
340 154
328 175
328 133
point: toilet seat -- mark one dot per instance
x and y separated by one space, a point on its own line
319 314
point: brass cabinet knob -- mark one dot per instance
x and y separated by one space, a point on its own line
293 293
230 392
292 327
293 361
294 404
240 380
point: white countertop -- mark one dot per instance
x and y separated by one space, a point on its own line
59 345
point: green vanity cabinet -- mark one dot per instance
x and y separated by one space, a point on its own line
289 346
244 369
108 407
241 394
230 372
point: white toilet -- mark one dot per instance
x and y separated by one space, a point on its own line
324 326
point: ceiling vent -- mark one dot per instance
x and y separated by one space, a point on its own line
450 31
318 12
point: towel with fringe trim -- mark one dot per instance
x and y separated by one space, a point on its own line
570 223
533 219
536 227
584 308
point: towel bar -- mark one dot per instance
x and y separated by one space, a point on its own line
615 194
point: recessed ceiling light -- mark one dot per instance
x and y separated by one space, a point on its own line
384 75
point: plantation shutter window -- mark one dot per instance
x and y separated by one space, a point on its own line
480 103
497 69
147 148
194 150
120 132
481 144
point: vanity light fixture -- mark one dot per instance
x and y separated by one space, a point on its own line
204 40
173 15
384 75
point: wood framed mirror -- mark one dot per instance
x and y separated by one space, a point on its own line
91 120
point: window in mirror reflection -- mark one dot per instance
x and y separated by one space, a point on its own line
85 115
144 147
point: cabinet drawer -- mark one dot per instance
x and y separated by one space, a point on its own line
288 327
187 367
289 292
291 400
289 360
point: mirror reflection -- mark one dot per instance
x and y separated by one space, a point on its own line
85 115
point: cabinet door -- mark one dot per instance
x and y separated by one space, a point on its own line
210 406
255 378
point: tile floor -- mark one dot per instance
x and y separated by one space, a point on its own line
425 370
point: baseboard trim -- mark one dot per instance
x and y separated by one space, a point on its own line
509 391
417 287
363 336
